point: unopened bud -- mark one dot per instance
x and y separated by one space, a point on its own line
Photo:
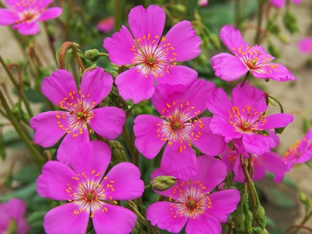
290 22
118 152
179 8
12 227
274 50
162 183
259 230
260 216
93 54
214 39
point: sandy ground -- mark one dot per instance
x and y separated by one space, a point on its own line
294 96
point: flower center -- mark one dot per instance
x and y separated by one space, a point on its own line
246 120
193 199
152 58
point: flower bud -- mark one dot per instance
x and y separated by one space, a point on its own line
214 39
290 22
260 216
93 54
12 227
179 8
162 183
118 152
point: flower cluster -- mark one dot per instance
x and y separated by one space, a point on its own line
200 133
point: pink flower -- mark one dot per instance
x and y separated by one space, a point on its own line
25 14
190 202
305 45
253 59
300 152
244 118
203 3
80 112
13 211
281 3
106 25
154 57
88 193
180 126
269 161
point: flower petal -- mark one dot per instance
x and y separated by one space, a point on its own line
16 208
274 164
165 216
62 219
219 103
55 181
232 38
276 121
273 71
123 182
115 219
178 75
95 85
132 84
58 86
108 121
222 127
203 224
93 159
50 13
47 127
8 17
178 161
27 28
203 138
69 147
147 136
147 22
211 172
223 204
247 95
257 144
120 47
228 67
184 43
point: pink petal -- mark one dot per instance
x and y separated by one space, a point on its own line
223 204
93 159
116 219
258 169
46 127
183 41
274 71
52 183
144 22
95 85
44 3
219 103
203 138
228 67
147 135
132 84
58 86
222 127
257 144
50 13
69 147
120 47
16 208
27 28
165 216
22 226
274 164
211 172
277 3
62 219
203 224
276 121
247 95
123 182
232 38
4 217
108 121
178 75
178 161
8 17
167 94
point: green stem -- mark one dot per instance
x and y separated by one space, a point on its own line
298 227
259 21
135 156
29 111
245 78
117 13
237 13
35 153
302 223
278 102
